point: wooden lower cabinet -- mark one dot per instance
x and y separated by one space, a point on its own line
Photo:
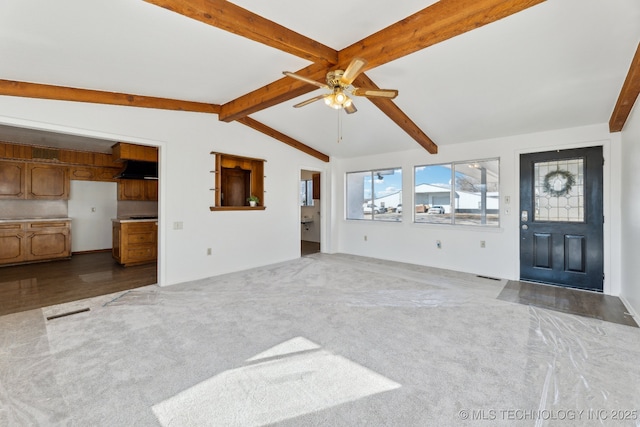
23 242
135 242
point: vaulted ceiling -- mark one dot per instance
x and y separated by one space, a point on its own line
466 70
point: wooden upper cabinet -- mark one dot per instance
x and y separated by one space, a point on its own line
125 151
33 181
138 189
13 180
47 182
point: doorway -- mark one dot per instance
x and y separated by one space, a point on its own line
561 218
310 203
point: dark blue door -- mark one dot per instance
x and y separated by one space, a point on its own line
561 240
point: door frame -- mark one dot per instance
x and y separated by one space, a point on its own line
612 234
324 208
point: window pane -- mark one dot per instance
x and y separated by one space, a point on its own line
387 188
433 194
559 191
477 200
472 199
358 194
375 195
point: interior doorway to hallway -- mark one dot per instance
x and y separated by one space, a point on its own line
310 203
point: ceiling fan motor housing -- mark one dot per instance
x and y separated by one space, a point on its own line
333 78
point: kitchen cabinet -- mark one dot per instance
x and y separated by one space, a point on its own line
47 182
125 151
138 189
89 173
135 242
34 240
33 181
13 180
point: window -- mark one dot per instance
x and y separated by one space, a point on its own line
463 193
306 192
375 195
237 181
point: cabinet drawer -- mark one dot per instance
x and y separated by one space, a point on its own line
10 226
41 225
141 237
141 253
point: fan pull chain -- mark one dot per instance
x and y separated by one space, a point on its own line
339 126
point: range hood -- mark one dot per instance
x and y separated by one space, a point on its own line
135 169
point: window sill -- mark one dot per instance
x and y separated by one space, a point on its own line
237 208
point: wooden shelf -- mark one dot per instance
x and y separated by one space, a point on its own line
237 208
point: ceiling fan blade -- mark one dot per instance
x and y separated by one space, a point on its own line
309 101
375 93
352 71
305 79
350 109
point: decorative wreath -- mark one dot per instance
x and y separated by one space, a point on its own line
552 177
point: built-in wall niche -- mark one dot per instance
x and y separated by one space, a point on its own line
237 179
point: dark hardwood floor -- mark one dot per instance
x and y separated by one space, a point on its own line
26 287
567 300
308 248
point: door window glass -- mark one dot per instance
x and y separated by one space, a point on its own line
559 191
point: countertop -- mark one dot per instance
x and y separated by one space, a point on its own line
33 220
128 219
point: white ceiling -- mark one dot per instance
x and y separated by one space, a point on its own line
555 65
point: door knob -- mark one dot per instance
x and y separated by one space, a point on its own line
525 227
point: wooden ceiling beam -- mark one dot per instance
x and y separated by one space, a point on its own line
438 22
434 24
272 94
260 127
61 93
628 95
389 108
227 16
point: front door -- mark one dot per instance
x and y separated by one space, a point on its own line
561 218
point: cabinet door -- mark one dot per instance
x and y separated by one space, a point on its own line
131 189
47 182
151 190
115 250
48 241
12 243
12 180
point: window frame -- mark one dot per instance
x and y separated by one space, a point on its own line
372 172
452 166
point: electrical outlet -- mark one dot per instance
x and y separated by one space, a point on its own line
177 225
483 244
438 244
208 251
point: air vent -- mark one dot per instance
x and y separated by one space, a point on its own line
45 153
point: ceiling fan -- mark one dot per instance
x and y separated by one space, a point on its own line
339 83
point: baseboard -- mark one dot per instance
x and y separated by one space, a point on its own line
630 308
94 251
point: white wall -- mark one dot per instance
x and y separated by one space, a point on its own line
415 243
240 239
91 207
630 186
